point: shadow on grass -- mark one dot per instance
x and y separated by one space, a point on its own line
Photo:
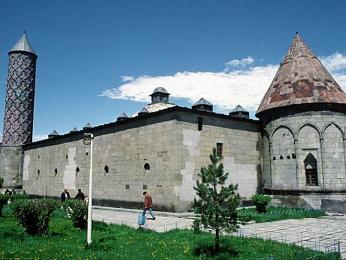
205 248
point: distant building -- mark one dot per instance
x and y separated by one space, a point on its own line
295 152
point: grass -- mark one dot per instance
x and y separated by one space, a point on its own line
121 242
277 213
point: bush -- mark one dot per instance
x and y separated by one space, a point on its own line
19 196
277 213
1 181
78 211
34 215
261 202
3 201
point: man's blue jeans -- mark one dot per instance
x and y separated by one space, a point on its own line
150 211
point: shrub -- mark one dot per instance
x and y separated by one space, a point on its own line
261 202
34 215
3 201
1 181
19 196
78 211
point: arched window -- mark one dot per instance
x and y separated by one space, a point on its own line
38 175
106 169
55 172
310 165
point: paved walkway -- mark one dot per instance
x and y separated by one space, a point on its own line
319 234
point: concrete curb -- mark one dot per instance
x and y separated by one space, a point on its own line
158 213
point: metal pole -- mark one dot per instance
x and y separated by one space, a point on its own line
90 192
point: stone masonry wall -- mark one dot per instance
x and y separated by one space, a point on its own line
320 134
174 150
241 154
11 165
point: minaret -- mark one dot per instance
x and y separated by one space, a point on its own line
20 92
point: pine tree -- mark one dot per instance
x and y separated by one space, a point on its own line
216 205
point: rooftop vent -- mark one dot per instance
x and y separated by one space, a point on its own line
203 105
122 116
73 130
240 112
144 111
87 126
159 95
53 134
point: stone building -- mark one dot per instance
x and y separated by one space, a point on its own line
295 152
304 123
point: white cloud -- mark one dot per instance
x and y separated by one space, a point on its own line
243 63
127 78
245 84
39 137
335 62
336 65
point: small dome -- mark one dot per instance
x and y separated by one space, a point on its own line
160 90
202 101
73 130
87 126
239 108
160 95
240 112
203 105
122 116
54 133
143 111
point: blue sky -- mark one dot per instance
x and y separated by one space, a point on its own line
97 59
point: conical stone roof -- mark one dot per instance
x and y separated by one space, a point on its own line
23 45
301 79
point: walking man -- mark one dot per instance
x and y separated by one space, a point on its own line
148 205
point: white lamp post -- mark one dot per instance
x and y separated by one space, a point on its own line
88 140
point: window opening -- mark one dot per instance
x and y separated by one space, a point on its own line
310 164
200 123
147 166
219 149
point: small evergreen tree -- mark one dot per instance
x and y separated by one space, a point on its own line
217 203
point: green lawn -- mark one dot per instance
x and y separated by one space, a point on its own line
121 242
277 213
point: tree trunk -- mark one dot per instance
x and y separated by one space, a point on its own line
217 241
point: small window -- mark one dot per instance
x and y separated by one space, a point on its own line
200 123
55 172
145 187
66 156
293 155
281 157
288 157
106 169
147 166
127 186
38 175
274 158
77 171
38 156
86 153
219 149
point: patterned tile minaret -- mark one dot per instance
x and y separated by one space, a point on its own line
20 92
